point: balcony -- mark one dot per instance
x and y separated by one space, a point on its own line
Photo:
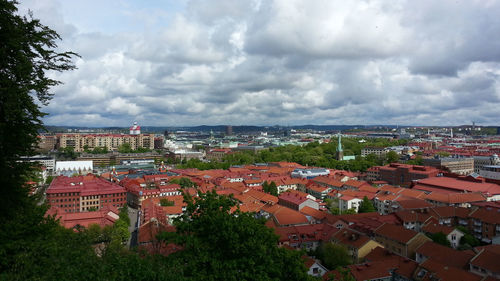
477 223
478 229
463 222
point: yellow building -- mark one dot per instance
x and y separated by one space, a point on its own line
111 141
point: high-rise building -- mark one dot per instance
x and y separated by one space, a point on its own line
340 151
229 130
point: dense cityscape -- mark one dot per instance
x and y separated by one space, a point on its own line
249 140
413 204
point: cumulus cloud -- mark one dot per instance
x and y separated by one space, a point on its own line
277 62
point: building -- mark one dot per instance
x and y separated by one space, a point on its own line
135 129
347 202
217 154
102 217
358 244
490 172
84 193
404 175
47 143
340 151
453 235
116 158
309 173
485 263
81 142
45 161
481 161
186 155
448 185
379 151
456 164
229 130
73 167
296 201
399 240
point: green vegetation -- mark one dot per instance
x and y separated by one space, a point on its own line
67 153
439 238
126 148
366 206
270 188
312 154
220 245
467 241
96 150
184 182
332 255
164 202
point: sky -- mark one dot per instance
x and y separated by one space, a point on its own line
275 62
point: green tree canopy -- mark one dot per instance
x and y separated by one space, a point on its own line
224 245
440 238
366 206
333 255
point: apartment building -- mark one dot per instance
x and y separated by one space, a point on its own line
84 193
456 164
111 141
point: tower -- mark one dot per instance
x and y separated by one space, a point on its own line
229 130
135 129
451 133
340 151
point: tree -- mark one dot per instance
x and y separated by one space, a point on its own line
366 206
468 240
164 202
223 245
440 238
333 255
273 189
27 52
392 156
123 215
125 148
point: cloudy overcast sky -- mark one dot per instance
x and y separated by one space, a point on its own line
281 62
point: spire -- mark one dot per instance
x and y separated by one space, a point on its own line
339 147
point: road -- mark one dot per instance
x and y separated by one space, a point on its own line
133 215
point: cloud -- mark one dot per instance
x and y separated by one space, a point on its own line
277 62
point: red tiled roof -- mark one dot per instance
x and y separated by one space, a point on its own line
444 272
317 214
396 232
456 198
460 185
411 204
488 260
350 238
445 255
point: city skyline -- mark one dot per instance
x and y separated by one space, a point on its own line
187 63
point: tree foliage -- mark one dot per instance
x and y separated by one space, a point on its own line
224 245
270 188
333 255
164 202
312 154
440 238
366 206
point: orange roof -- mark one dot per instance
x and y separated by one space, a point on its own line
317 214
286 216
456 198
